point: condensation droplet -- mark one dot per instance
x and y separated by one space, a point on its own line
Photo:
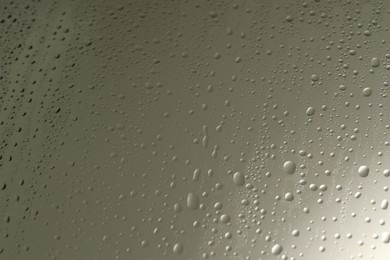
310 111
178 248
385 237
192 201
375 62
363 171
289 167
367 92
239 179
384 204
225 218
289 196
277 249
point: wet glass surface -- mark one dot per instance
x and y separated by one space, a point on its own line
148 130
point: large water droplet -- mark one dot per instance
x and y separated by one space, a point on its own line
363 171
289 167
276 249
192 201
178 248
239 179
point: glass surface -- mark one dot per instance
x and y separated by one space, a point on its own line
153 130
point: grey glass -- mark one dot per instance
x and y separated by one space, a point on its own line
153 130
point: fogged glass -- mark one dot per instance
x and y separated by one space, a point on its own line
177 129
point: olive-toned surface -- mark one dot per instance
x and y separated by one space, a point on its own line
169 129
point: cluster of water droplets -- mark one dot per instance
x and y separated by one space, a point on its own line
194 130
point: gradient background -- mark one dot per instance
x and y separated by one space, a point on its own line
113 112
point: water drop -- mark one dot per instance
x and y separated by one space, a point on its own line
192 201
367 92
289 167
385 237
384 204
315 77
225 218
276 249
375 62
363 171
289 196
178 248
239 179
310 111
